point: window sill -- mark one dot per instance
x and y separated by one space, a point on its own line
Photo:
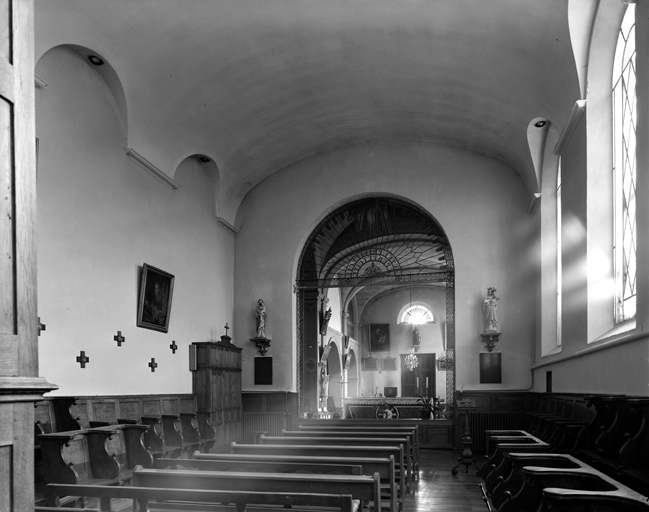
621 334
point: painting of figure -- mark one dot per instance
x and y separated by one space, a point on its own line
379 337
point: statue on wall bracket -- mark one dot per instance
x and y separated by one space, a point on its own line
260 339
490 335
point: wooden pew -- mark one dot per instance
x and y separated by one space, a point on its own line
155 441
530 496
326 426
100 456
364 488
385 467
569 500
616 442
144 496
267 466
512 484
505 444
373 433
402 442
397 484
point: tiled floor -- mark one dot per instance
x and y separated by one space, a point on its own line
440 491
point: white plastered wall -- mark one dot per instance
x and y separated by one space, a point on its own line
480 202
100 217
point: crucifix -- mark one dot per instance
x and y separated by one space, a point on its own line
82 359
173 347
153 365
119 338
226 328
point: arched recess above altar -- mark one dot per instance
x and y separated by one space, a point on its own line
362 265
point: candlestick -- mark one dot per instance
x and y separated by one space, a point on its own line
417 383
426 383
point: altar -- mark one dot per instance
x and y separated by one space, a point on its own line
386 408
433 433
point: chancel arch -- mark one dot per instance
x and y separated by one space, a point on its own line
372 249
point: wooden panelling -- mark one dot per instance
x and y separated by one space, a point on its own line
7 480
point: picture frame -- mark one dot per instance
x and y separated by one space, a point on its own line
389 364
154 305
379 337
370 364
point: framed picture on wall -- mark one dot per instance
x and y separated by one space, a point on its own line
389 364
379 337
370 364
154 306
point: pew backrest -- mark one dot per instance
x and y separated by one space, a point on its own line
363 488
144 495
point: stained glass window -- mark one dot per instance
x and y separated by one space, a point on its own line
417 315
624 168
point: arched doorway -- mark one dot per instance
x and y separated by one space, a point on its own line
366 248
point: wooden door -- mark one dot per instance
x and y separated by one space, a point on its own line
20 385
421 380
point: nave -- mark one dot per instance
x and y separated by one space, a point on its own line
437 489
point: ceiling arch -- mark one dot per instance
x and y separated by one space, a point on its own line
259 86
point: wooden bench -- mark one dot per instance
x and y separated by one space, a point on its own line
325 426
586 478
616 441
507 444
146 496
375 459
99 456
402 442
409 433
509 485
155 440
569 500
306 466
360 487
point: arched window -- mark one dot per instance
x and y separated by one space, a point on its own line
624 168
417 315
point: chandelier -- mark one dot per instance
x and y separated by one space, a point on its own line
411 361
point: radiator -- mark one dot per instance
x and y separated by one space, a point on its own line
481 421
272 422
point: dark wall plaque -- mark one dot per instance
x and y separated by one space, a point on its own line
490 368
263 371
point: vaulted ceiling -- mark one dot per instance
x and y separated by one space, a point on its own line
257 85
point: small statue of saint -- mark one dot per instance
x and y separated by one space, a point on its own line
490 308
260 315
325 322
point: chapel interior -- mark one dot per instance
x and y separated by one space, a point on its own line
355 206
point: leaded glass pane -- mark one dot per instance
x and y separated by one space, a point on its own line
624 126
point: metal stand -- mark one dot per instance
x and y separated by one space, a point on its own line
466 457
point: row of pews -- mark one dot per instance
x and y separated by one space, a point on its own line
571 459
344 468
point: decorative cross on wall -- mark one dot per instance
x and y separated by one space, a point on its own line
41 326
119 338
226 329
82 359
173 347
153 365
